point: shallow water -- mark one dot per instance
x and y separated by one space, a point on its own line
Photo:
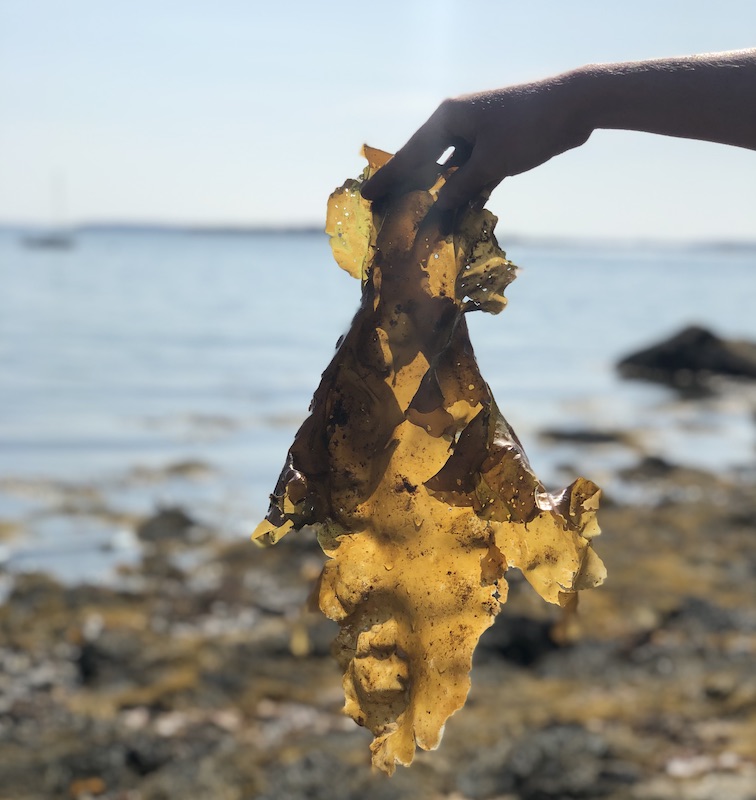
150 348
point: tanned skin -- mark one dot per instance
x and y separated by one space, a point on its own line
504 132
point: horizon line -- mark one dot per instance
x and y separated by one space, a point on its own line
245 229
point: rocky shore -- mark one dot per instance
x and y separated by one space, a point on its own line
198 671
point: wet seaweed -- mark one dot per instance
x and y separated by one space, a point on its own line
420 491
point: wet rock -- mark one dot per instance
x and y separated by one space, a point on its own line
697 615
563 761
649 468
690 358
88 663
584 436
654 469
518 639
144 757
319 769
168 525
189 470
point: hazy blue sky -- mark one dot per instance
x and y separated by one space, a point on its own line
242 112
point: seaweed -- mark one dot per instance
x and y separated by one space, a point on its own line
419 489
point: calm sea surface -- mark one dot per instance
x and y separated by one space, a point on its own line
144 349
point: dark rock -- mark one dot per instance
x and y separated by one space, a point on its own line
145 757
690 358
697 614
321 770
104 660
169 524
649 468
87 663
517 639
563 761
584 436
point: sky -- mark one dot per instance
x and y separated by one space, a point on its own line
239 112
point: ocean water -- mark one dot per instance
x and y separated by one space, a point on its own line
137 350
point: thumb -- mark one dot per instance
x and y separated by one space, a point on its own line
466 183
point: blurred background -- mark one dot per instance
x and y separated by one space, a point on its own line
167 304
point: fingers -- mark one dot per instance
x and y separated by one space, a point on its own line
380 184
462 152
415 165
412 166
472 179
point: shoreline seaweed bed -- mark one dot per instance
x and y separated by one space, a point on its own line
199 673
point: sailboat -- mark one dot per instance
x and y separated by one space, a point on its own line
50 240
57 236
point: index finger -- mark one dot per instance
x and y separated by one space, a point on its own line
410 166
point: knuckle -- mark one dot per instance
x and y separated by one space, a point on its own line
448 109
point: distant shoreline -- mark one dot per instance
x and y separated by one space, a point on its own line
160 227
307 229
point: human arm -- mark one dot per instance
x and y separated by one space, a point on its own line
508 131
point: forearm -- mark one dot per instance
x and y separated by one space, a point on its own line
708 97
505 132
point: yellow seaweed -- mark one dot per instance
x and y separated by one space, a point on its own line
419 489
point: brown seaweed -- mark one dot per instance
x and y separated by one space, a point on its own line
419 489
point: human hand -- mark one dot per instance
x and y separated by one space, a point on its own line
494 134
508 131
